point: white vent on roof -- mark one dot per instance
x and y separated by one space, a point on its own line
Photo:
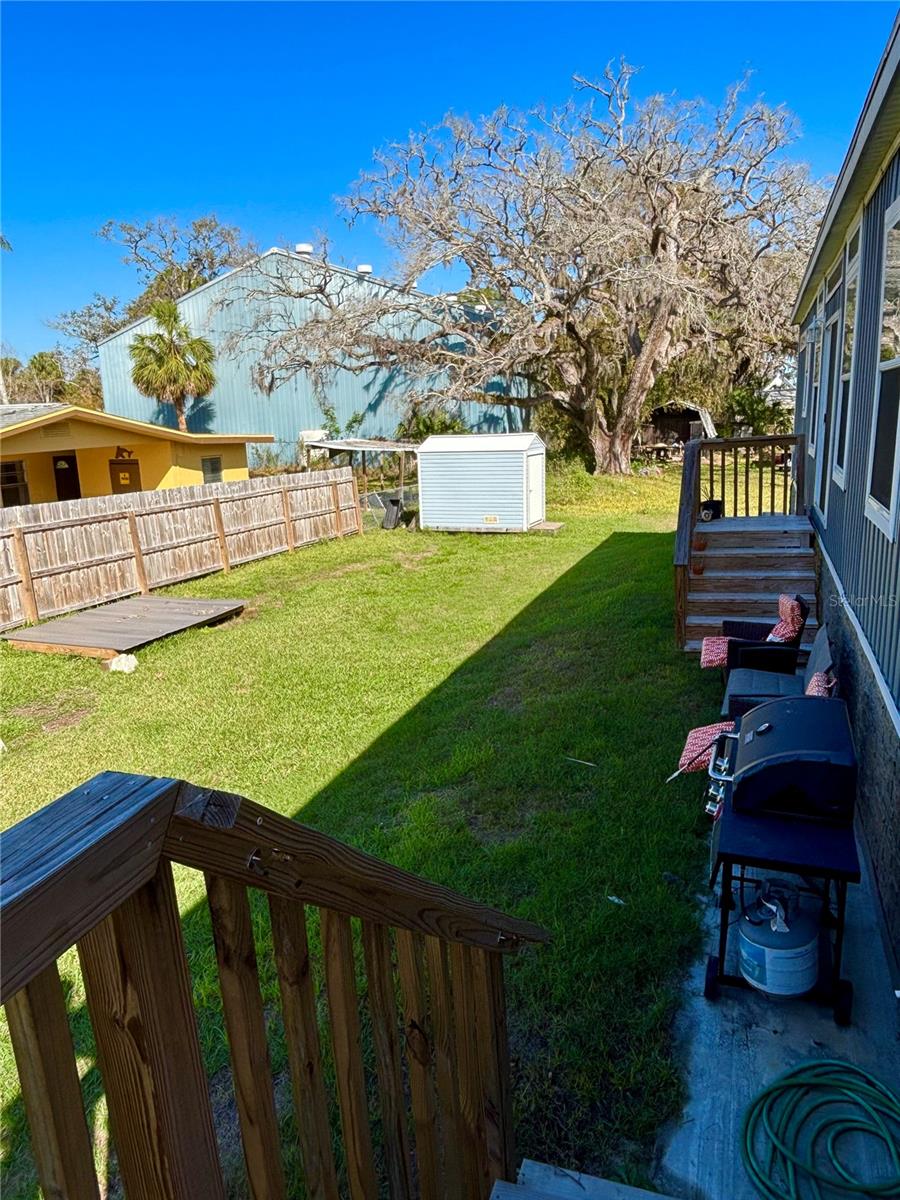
364 269
305 248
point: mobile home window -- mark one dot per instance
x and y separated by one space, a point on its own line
212 469
851 294
13 484
881 503
816 332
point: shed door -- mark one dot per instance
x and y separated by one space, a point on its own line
535 496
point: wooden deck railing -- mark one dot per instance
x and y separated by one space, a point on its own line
93 869
751 476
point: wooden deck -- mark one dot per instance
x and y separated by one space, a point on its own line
122 627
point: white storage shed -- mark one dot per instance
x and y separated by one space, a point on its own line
481 482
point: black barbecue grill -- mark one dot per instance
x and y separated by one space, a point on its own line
789 757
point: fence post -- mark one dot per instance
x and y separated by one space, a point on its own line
23 566
139 568
288 520
356 504
220 530
336 501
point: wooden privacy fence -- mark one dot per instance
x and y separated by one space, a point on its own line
94 870
59 557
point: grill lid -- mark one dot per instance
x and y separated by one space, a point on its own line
798 728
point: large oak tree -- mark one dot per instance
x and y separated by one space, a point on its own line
597 245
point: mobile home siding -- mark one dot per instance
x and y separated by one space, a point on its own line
228 306
866 561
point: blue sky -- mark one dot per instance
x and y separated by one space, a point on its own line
264 112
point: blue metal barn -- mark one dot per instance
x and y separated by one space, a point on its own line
221 310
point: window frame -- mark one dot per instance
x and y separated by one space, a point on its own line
815 383
21 482
211 458
884 519
851 275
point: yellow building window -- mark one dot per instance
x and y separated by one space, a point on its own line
13 484
212 469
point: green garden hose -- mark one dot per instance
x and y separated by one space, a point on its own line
791 1131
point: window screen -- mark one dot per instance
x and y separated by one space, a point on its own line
885 437
212 469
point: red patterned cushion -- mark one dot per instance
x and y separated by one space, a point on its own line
703 739
821 684
714 652
790 620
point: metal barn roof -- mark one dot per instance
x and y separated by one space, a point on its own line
452 443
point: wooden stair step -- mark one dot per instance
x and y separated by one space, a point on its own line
742 579
757 537
741 604
758 553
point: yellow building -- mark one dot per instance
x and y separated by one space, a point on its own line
60 452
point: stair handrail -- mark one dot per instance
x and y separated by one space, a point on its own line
94 869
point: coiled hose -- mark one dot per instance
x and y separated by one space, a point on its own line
791 1132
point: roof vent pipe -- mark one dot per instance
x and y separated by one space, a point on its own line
304 248
364 269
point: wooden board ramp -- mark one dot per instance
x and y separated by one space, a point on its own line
122 627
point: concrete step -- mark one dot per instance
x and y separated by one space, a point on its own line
546 1180
745 579
738 604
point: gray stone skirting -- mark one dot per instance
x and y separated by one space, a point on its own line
878 752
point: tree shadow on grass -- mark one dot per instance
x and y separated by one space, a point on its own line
477 787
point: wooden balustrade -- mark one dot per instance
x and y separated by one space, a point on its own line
750 476
94 870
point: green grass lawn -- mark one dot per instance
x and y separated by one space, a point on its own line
421 696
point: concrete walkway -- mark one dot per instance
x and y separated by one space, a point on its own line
731 1049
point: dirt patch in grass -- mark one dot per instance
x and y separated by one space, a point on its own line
62 712
412 562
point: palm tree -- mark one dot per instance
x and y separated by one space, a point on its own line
171 364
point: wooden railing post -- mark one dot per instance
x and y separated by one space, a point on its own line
469 1066
23 566
140 572
343 1005
410 965
386 1041
301 1029
490 1014
141 1005
42 1044
245 1021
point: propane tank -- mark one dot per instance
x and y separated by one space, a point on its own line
779 942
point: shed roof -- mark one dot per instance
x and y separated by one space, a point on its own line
15 418
451 443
